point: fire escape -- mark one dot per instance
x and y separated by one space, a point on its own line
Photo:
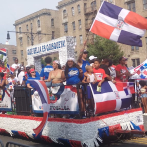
90 14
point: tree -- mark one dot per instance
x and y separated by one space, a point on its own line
104 48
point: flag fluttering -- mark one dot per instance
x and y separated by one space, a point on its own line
119 25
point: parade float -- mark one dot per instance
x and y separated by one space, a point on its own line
112 106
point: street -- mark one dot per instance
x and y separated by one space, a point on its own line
139 142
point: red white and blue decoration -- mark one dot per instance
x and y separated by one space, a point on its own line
40 86
75 132
3 51
112 96
120 25
140 72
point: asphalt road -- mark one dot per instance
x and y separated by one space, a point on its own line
139 142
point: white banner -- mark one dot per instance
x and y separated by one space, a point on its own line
64 100
5 100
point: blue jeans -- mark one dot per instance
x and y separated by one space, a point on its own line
48 84
56 84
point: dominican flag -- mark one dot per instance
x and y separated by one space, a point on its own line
40 86
112 97
120 25
10 69
3 51
129 87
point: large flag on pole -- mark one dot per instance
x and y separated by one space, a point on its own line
120 25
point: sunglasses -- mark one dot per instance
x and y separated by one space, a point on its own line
33 72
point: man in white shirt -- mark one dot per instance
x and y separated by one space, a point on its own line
16 66
21 75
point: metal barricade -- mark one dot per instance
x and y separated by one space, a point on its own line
1 144
23 100
13 144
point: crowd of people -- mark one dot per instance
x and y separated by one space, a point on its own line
72 73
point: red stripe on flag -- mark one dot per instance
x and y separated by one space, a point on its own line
119 86
3 49
102 29
136 20
105 106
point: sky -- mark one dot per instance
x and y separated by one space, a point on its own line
12 10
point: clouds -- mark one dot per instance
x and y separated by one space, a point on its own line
16 9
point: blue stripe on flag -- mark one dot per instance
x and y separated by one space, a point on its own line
129 39
126 91
126 102
110 10
3 53
104 89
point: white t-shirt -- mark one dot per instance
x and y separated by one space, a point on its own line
10 80
20 77
91 77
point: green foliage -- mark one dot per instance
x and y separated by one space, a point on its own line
43 62
104 48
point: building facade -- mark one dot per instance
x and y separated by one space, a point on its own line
45 21
11 52
76 18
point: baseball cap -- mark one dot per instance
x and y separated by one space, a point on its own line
92 57
32 70
85 51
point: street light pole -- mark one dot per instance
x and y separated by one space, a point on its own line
26 33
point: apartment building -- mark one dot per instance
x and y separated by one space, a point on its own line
45 21
11 52
76 18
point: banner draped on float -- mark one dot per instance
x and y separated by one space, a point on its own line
112 96
119 25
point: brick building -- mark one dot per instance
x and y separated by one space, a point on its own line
76 18
11 52
44 21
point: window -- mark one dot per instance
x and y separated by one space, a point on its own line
81 39
27 27
65 27
14 58
53 34
73 25
28 40
52 22
134 48
85 7
131 6
13 51
72 11
80 26
31 26
145 4
38 23
75 41
79 9
64 14
20 41
21 53
93 5
20 30
135 62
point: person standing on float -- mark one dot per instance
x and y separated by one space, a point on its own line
82 62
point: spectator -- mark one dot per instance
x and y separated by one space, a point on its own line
21 75
143 92
11 81
46 70
99 72
3 69
26 75
56 76
33 76
112 70
122 74
104 65
91 58
2 81
16 66
36 72
82 62
89 77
